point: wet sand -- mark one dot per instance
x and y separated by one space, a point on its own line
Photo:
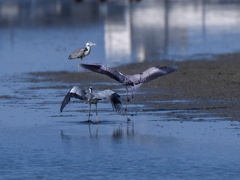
209 86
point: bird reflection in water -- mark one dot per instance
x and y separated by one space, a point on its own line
64 136
118 132
90 132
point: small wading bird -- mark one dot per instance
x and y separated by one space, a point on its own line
93 98
134 81
81 52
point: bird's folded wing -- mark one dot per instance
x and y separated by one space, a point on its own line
78 52
98 68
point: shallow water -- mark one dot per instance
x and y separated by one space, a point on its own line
39 142
140 149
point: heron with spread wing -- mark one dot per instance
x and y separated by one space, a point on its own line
131 82
81 52
93 98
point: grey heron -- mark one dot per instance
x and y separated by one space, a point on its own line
93 98
81 52
131 82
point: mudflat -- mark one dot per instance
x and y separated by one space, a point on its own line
209 86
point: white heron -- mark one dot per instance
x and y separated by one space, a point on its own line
131 82
81 52
93 98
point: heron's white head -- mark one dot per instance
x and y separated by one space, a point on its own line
90 44
90 89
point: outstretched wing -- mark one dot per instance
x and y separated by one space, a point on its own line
77 53
112 96
65 101
78 93
98 68
153 73
116 103
75 92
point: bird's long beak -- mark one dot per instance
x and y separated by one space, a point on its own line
92 44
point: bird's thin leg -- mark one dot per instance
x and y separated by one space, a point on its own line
89 104
127 98
80 62
96 113
132 93
126 106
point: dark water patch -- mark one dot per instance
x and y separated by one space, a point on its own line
7 97
43 108
48 87
100 122
89 122
64 116
167 110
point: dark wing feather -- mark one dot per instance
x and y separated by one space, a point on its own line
65 101
155 72
98 68
80 94
112 96
116 103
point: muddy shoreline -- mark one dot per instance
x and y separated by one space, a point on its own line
209 86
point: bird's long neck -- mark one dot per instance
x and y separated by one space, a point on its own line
90 90
88 50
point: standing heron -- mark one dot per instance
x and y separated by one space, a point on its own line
131 82
81 52
93 98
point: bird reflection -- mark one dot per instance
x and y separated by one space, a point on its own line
90 132
118 132
64 136
130 131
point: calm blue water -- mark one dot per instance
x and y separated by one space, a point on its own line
141 149
40 35
39 142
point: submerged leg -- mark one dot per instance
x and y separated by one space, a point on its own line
96 113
